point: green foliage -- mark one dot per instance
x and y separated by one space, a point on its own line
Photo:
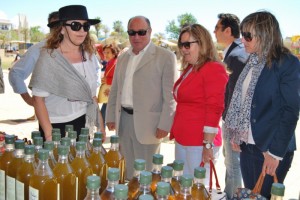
118 26
35 34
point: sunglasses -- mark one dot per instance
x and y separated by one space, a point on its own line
247 36
139 32
186 45
76 26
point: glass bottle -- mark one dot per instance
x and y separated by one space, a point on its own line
166 176
11 174
35 134
163 191
121 192
134 185
146 197
277 191
186 181
100 135
113 177
145 183
68 128
81 168
98 163
38 145
67 142
85 138
114 158
5 162
198 189
43 184
86 131
24 173
93 186
49 145
65 175
157 161
56 136
178 172
73 136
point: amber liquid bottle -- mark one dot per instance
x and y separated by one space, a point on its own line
24 173
157 161
65 176
43 184
100 136
134 185
5 161
93 186
81 168
35 134
38 145
198 189
98 163
277 191
67 142
56 136
114 158
17 161
163 191
178 172
121 192
186 182
85 138
86 131
68 128
166 176
49 145
72 135
113 177
145 182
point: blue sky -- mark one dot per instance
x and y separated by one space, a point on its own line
160 12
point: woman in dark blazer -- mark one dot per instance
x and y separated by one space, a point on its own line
264 109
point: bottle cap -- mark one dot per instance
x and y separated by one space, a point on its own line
139 164
19 144
65 141
113 174
69 127
35 134
97 142
72 134
277 189
199 172
186 180
9 139
56 136
38 141
63 150
163 188
56 130
84 131
114 139
49 145
146 197
43 154
145 177
178 165
83 138
98 135
93 182
80 146
166 172
157 159
29 150
121 191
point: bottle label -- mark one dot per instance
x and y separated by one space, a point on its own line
2 185
19 190
11 187
33 193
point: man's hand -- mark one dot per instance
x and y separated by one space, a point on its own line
160 133
111 126
270 164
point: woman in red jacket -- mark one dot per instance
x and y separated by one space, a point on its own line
199 94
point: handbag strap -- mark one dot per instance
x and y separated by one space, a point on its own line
212 171
260 181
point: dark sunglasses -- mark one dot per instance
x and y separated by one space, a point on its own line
76 26
139 32
186 45
247 36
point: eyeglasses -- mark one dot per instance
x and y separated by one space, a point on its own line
186 45
139 32
76 26
247 36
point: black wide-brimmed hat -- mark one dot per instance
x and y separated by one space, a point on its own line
73 12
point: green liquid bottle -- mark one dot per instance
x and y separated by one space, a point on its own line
86 131
24 173
43 184
146 197
186 182
93 186
72 135
100 135
35 134
277 191
49 145
85 138
5 161
65 175
157 161
113 178
38 145
134 185
121 192
178 172
166 176
17 161
145 184
67 142
163 191
198 189
56 136
81 168
68 128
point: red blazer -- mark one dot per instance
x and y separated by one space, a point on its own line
110 70
200 102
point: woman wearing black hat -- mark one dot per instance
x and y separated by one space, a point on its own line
64 80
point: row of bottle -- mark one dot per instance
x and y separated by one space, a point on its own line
17 170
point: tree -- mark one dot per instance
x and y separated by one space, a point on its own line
118 27
184 19
35 34
105 30
98 27
157 38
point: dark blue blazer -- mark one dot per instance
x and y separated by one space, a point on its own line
275 106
